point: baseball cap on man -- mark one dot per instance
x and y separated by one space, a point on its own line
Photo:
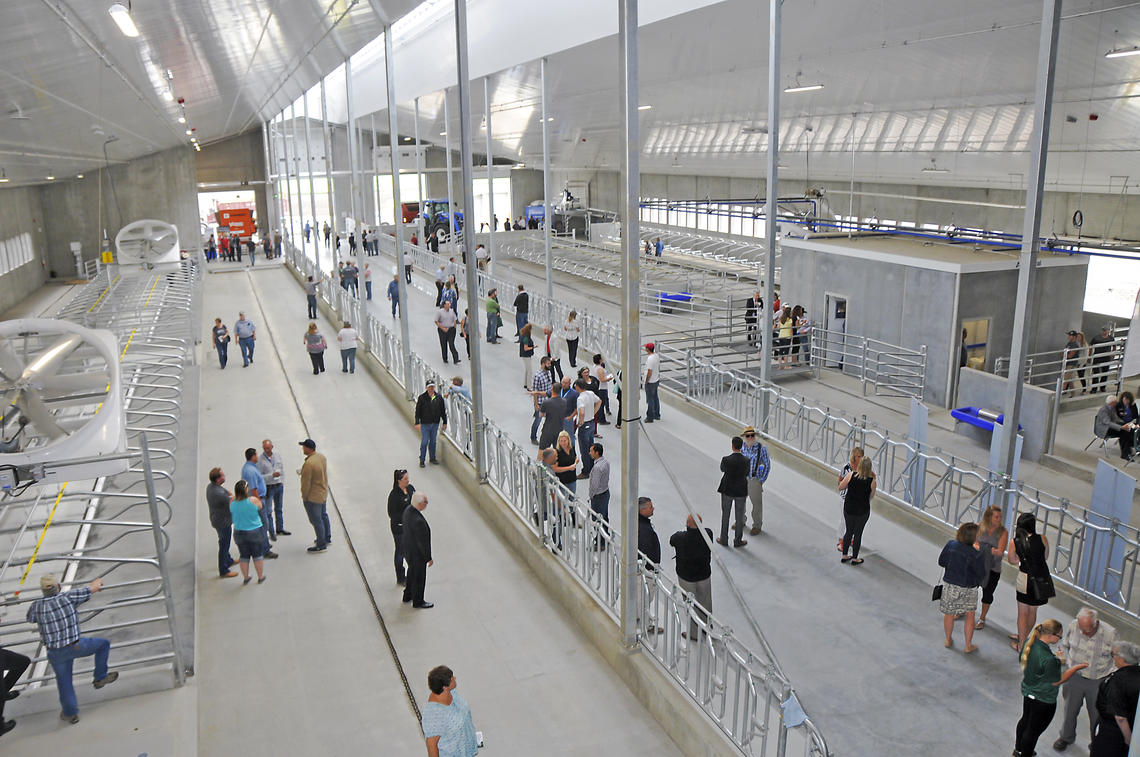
1072 333
429 382
49 581
650 346
308 443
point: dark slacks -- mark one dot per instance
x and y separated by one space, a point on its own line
13 664
398 556
416 581
1035 718
853 536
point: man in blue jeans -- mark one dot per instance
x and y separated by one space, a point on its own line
315 494
251 474
58 621
652 377
272 469
586 407
600 490
246 335
430 413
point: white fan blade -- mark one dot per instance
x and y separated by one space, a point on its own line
10 365
32 406
95 381
47 362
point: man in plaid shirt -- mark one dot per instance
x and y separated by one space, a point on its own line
59 628
541 383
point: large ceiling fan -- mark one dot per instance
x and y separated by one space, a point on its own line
148 243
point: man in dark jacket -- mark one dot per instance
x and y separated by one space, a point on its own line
733 492
694 568
417 551
649 545
1100 351
755 303
430 412
522 310
218 500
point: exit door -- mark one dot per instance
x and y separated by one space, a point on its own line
835 330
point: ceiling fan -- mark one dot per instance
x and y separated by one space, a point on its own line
149 244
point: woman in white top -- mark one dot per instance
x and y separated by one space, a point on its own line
604 378
347 338
570 333
554 347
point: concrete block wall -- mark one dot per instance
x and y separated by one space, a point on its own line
21 213
985 390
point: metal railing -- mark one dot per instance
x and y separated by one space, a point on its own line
1093 367
742 692
889 369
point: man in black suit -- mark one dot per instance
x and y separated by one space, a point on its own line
417 551
733 492
755 303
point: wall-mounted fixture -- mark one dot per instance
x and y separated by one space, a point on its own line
121 15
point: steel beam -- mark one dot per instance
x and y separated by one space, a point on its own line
270 183
450 188
490 173
288 183
329 180
419 164
547 214
401 286
771 227
312 190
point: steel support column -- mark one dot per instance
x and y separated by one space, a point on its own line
1030 245
490 166
299 211
354 195
419 166
630 312
401 286
771 227
287 154
270 183
474 310
547 215
312 190
376 170
329 180
451 204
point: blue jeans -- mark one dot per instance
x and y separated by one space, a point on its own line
348 359
319 517
368 289
492 326
534 425
274 498
585 439
246 350
520 321
223 353
61 662
428 433
652 403
224 560
311 299
395 304
266 515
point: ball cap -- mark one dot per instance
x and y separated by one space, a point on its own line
1072 333
650 346
308 443
49 581
429 382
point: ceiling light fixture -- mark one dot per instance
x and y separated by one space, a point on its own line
79 176
3 176
797 87
122 18
182 119
189 132
50 178
1122 53
443 134
644 107
407 139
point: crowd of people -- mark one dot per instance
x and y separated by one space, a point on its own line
791 330
229 247
1088 362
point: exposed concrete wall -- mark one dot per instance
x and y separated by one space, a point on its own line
902 305
161 186
239 164
21 213
985 390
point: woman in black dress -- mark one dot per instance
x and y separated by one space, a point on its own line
398 500
860 487
1029 551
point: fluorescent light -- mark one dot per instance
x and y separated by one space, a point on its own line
644 107
51 178
407 139
443 134
551 118
802 88
122 18
182 119
4 179
1123 53
189 132
79 176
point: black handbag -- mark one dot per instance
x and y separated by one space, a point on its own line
1041 587
937 593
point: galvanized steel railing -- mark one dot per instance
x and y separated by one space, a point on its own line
1093 367
742 692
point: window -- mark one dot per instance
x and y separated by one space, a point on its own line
15 252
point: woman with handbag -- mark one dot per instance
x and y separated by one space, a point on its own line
1040 682
1029 551
994 539
965 567
315 346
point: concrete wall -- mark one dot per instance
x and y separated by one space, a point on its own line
161 186
902 305
1057 305
21 213
985 390
238 163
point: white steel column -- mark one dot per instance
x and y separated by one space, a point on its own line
271 196
329 175
469 236
312 192
300 209
401 286
288 183
375 181
771 227
350 133
451 204
1030 245
490 174
630 313
547 218
419 163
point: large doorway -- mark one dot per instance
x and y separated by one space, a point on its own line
210 204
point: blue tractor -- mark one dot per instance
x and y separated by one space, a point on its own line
438 220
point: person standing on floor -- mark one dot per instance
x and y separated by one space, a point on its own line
315 494
759 465
965 567
221 336
367 281
58 622
566 463
311 297
417 551
251 474
733 492
459 389
993 539
571 333
1029 551
553 349
526 353
273 471
753 306
1090 640
394 292
587 406
694 569
447 725
652 377
218 502
430 413
399 499
247 335
1041 675
493 319
553 411
13 665
315 345
648 544
542 383
445 321
248 511
522 311
1116 704
600 486
860 487
604 378
440 278
852 464
347 338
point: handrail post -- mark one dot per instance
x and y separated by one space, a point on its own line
160 553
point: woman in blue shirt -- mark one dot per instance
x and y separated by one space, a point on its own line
447 726
248 535
965 568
